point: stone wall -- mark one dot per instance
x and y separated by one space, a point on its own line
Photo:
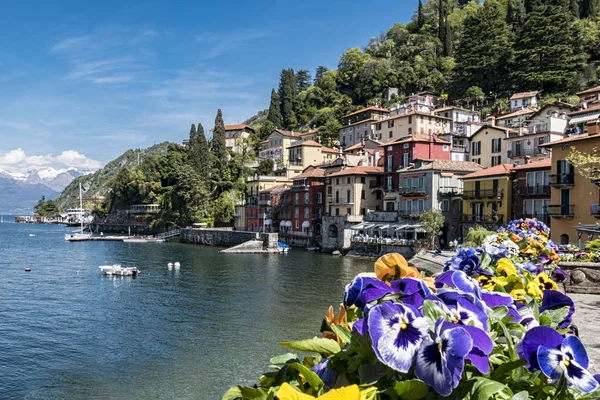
226 238
336 234
582 277
374 249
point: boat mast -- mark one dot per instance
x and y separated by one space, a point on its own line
81 206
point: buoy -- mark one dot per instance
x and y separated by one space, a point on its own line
170 265
177 265
31 235
27 269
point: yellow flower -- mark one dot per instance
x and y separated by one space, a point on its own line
489 283
541 282
393 266
506 266
287 392
518 294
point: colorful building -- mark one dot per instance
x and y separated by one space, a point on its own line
308 201
359 125
275 147
487 197
409 123
488 145
256 207
235 135
354 191
531 196
303 154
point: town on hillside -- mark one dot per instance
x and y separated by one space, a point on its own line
389 166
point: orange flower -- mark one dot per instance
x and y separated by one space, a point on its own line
394 266
333 320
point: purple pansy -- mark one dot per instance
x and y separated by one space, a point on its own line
412 291
559 275
396 331
363 290
462 310
569 360
327 375
462 283
441 359
466 260
498 299
533 339
553 300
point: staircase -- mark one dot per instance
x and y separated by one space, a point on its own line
174 232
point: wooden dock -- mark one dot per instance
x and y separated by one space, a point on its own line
97 239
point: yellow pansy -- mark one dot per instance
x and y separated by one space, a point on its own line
518 294
506 266
489 283
287 392
541 282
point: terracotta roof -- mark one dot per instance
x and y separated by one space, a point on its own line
361 122
545 163
370 108
498 128
526 110
311 132
287 133
502 169
358 171
415 113
585 110
588 91
237 127
312 172
329 150
437 110
446 165
524 95
570 139
558 104
275 189
356 146
416 138
306 143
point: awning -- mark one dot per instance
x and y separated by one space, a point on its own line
357 227
305 225
584 118
369 226
383 226
446 174
288 224
268 221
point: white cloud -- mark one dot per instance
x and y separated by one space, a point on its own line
113 79
17 161
221 43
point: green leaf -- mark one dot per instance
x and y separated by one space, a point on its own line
370 373
589 396
316 344
245 393
234 393
485 389
506 368
343 333
411 390
499 312
313 379
556 316
523 395
432 312
282 359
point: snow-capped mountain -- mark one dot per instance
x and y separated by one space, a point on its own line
12 175
55 179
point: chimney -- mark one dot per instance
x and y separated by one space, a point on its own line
491 120
527 160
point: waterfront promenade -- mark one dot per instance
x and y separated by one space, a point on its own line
587 315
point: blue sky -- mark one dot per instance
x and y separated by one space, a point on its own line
81 82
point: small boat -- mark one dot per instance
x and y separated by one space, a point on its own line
117 270
143 239
32 235
283 247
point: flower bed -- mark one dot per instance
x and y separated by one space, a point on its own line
492 325
571 253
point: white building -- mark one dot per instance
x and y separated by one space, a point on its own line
522 100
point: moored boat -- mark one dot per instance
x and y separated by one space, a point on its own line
118 270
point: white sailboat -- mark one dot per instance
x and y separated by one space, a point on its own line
79 235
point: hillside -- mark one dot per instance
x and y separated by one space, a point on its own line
96 183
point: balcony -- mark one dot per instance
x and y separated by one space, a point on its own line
483 218
536 151
412 191
558 180
561 210
537 190
595 210
450 191
544 217
481 194
302 187
410 213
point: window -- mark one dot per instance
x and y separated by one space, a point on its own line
319 198
306 198
348 211
348 180
391 123
296 212
405 159
378 194
476 148
297 224
408 208
362 194
444 181
337 181
297 198
390 164
406 145
496 145
391 134
445 205
362 180
347 196
363 211
421 182
306 212
496 160
410 119
337 196
378 126
410 131
408 182
445 147
329 190
337 212
389 183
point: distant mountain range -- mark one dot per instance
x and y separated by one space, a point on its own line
20 192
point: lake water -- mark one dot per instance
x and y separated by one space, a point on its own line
67 332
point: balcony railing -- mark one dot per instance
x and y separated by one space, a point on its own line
412 191
562 179
561 210
300 187
410 213
484 193
450 191
537 190
527 152
483 218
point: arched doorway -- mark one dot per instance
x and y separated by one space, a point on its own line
332 231
564 239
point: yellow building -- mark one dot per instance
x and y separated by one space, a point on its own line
303 154
275 147
488 146
395 127
487 197
574 199
354 191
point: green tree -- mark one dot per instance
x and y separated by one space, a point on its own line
319 73
549 49
476 235
46 208
303 80
265 130
484 55
444 32
199 153
590 8
432 222
265 167
287 94
274 114
474 94
218 148
350 65
420 16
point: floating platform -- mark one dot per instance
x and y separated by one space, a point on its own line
117 270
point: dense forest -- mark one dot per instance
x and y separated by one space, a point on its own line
471 53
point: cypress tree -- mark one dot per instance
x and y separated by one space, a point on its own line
549 49
203 153
319 73
420 16
192 134
287 94
302 80
576 8
219 151
274 114
444 32
589 8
